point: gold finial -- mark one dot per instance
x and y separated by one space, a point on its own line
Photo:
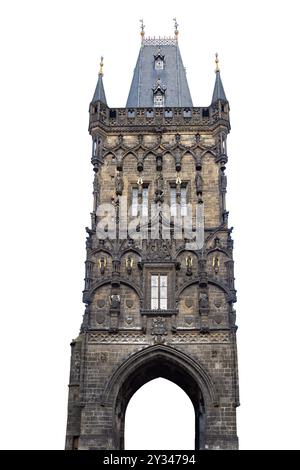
176 28
217 63
142 29
101 67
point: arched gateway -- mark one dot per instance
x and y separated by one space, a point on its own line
159 284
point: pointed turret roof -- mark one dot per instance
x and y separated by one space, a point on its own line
172 75
219 93
99 94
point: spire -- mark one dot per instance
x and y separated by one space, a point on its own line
99 94
159 58
219 93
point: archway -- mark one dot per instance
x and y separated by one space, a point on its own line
159 416
151 363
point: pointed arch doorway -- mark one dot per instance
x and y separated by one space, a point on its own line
159 361
160 415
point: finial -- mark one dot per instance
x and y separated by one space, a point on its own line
101 67
176 28
142 29
217 63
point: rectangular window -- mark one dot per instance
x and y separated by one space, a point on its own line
145 203
159 292
159 65
183 201
173 201
134 202
158 101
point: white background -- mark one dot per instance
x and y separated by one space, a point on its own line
49 59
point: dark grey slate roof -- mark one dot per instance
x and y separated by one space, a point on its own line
173 77
219 93
99 94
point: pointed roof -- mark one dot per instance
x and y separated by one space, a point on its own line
172 76
219 93
99 94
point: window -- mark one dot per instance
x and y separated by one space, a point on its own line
134 202
145 203
159 291
159 64
159 101
173 201
94 147
183 201
135 206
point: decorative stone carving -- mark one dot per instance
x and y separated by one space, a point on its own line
189 303
100 317
129 303
100 303
119 184
218 319
188 319
158 326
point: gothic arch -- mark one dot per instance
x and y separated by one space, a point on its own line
153 362
139 359
129 152
122 281
195 281
213 154
189 152
219 250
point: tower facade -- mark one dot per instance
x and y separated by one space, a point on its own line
159 284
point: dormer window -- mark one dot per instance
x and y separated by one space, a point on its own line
159 64
159 94
159 60
159 100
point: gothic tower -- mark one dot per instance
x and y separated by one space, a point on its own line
159 284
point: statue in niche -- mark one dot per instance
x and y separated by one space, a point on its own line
115 302
223 180
119 184
129 264
199 183
96 184
216 264
159 188
217 242
203 302
189 265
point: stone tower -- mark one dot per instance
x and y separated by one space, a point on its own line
159 284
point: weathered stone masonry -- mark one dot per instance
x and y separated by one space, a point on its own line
125 342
